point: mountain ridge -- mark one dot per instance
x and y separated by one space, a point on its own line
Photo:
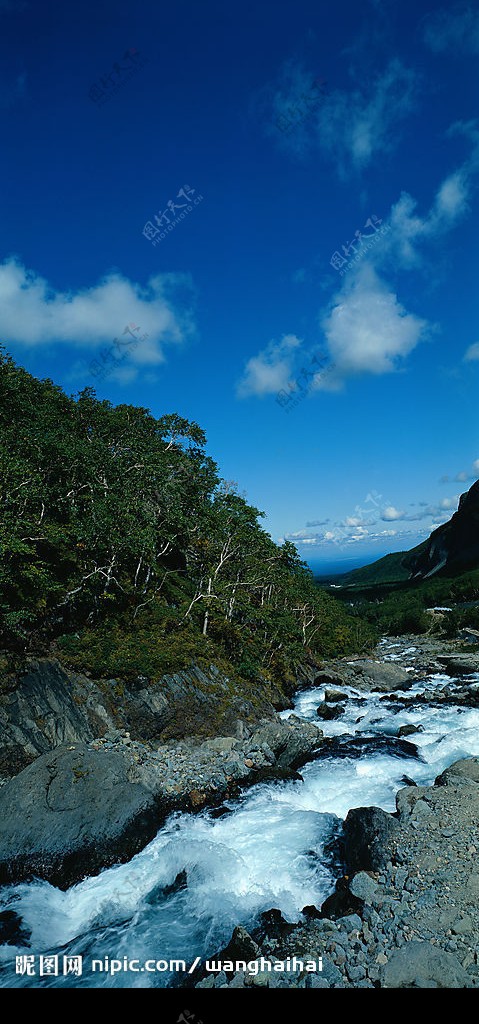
451 548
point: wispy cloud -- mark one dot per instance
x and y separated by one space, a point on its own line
453 29
271 370
472 353
351 126
357 529
33 313
463 476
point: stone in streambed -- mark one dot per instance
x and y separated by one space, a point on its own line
327 713
379 676
333 696
291 740
368 838
409 730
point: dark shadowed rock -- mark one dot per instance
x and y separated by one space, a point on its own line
328 713
452 547
12 931
273 926
240 947
368 838
341 902
311 913
409 730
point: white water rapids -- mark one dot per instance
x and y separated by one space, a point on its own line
267 851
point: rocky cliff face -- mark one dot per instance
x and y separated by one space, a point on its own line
453 547
47 705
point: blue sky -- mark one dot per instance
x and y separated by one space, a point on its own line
278 204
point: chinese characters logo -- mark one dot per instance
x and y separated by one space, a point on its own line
359 245
167 219
109 361
120 74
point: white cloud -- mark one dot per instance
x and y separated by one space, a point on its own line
472 353
317 522
32 313
271 370
391 513
454 29
475 465
368 330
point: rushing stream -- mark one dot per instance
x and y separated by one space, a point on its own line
268 850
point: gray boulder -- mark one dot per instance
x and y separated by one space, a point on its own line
74 811
333 696
407 799
460 772
364 887
421 965
379 676
291 740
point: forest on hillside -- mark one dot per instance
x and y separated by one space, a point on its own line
124 551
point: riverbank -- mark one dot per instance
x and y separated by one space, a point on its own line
404 914
408 919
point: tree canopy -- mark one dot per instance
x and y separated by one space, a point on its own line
115 523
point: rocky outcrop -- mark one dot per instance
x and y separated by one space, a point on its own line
82 807
38 711
47 705
453 547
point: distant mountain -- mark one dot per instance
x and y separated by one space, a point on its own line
451 549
